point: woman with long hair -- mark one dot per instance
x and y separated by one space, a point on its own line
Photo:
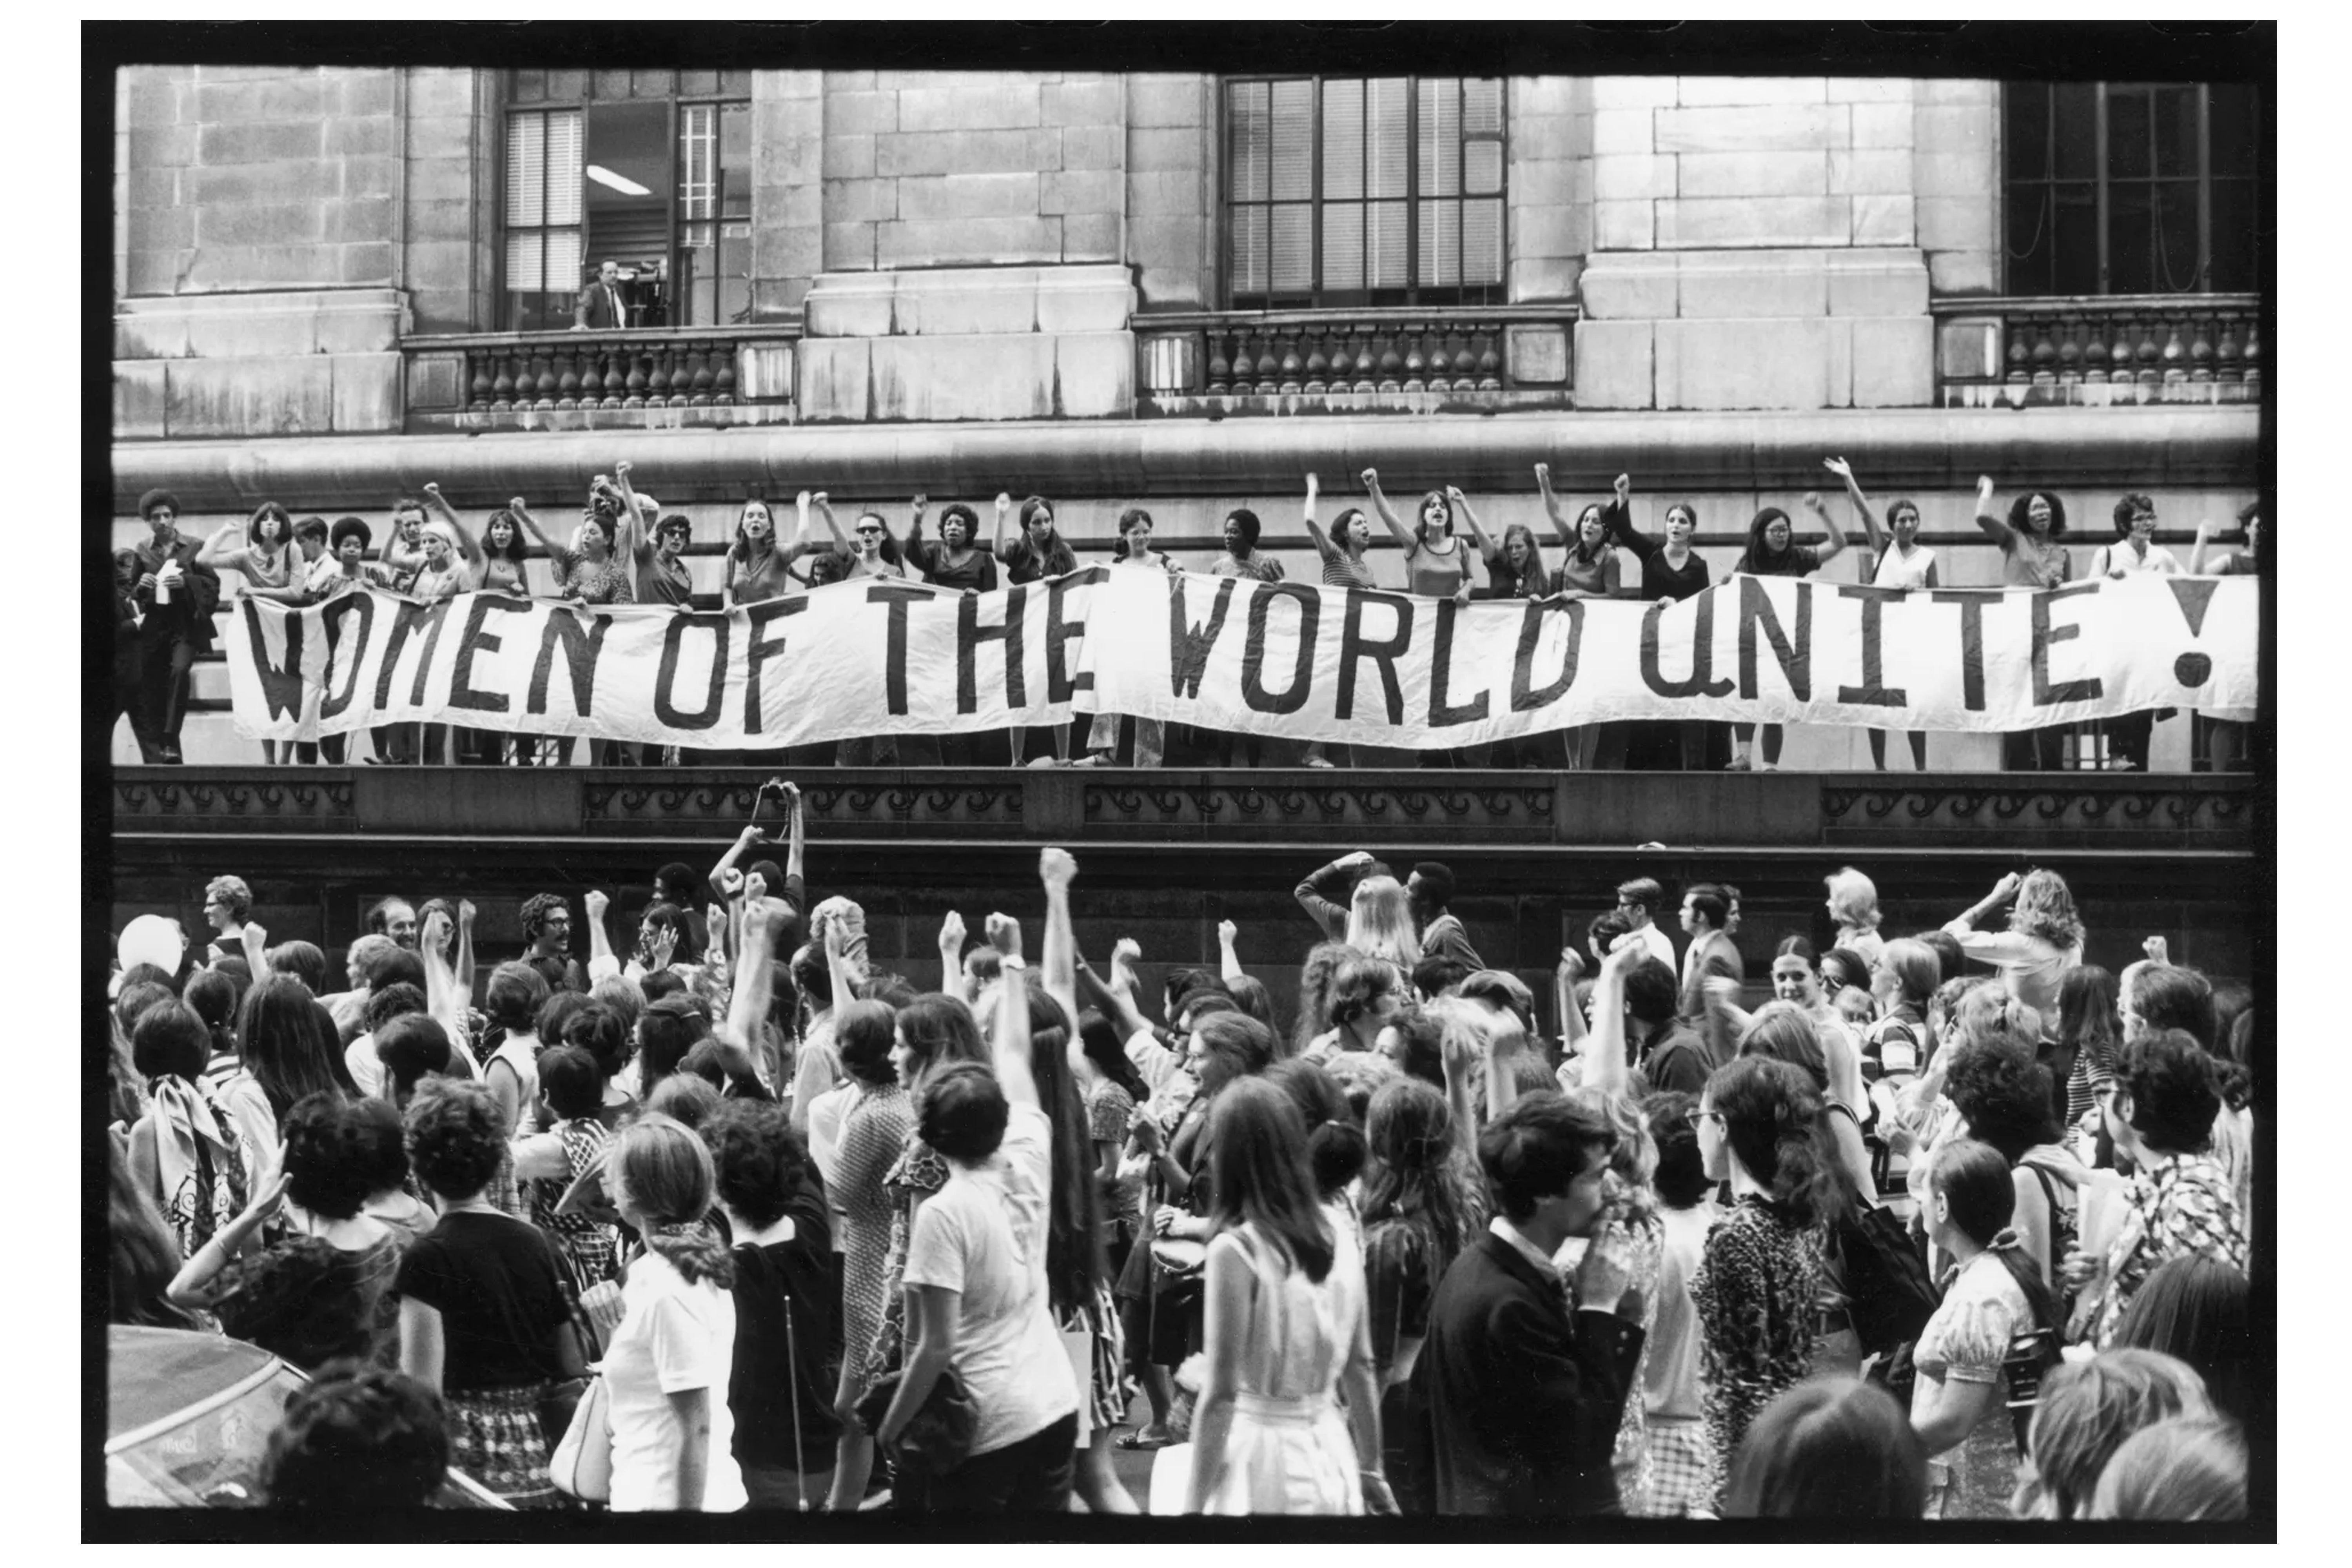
1317 974
1379 924
1994 1296
1758 1284
1341 552
505 569
1112 1090
1424 1201
2087 1038
668 1365
1287 1333
875 1131
2032 541
1436 562
928 1035
1772 552
1671 571
2180 1469
1894 559
1589 569
2044 939
1038 552
483 1318
1335 1141
283 1057
2200 1310
1682 1458
2088 1410
264 555
1836 1447
757 566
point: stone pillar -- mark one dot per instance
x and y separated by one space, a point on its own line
263 235
1169 149
972 227
450 143
1758 247
1551 185
790 157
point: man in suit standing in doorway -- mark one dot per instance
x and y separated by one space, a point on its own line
601 307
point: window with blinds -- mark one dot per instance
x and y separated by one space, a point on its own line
1345 191
543 238
650 168
2130 187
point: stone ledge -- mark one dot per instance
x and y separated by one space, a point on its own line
280 322
969 301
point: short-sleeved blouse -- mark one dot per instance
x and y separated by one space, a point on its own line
1757 1289
1598 576
1794 562
2031 561
1966 1341
605 581
1342 570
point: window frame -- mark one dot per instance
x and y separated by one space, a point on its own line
2103 180
675 100
1415 291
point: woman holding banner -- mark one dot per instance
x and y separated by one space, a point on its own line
1036 554
1896 559
1589 570
1772 552
1436 566
1671 572
264 556
757 568
1344 566
2033 555
1150 745
589 572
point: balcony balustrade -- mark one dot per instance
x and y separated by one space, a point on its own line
650 378
2091 351
1402 361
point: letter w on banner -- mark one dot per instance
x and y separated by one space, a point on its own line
883 658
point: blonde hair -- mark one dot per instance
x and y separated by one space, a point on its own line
2045 908
1380 922
2189 1467
671 1184
1855 897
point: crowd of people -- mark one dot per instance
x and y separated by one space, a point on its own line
627 550
1954 1226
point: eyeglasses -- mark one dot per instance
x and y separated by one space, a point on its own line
1695 1117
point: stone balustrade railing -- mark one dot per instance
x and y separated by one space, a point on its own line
2100 351
602 380
1420 360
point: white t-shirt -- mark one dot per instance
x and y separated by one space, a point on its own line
1661 945
673 1337
983 1236
366 1067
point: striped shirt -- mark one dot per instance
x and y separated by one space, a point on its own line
1343 571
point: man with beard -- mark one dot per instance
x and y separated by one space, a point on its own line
547 925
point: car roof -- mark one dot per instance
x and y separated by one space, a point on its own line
153 1374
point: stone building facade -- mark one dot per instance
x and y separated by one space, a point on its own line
880 283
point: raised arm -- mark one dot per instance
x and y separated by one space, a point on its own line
795 888
1459 1051
1056 869
530 525
920 552
996 545
2002 892
1604 1055
1829 525
632 539
1862 506
464 976
600 962
2196 552
1404 536
1229 963
951 939
1314 895
445 1003
823 504
1562 529
1725 1020
747 1003
1324 547
214 552
1488 548
1996 527
1012 1045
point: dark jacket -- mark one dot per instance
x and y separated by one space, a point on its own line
189 616
1519 1407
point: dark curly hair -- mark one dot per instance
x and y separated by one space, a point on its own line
357 1437
302 1300
1772 1120
2003 1093
535 910
963 1113
393 1001
863 1034
456 1136
558 1011
2170 1080
2022 507
601 1031
1335 1142
761 1160
570 1083
378 1144
325 1164
667 1032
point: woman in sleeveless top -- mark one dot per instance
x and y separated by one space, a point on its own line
1288 1334
1436 562
1344 566
1895 560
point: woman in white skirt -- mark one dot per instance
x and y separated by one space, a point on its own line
1288 1332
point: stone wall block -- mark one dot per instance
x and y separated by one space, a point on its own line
208 398
1953 128
1870 89
1554 230
836 375
1710 92
1094 192
1624 130
1891 282
1615 364
1090 102
1882 220
162 146
1962 271
367 393
1552 182
1610 92
1955 222
225 143
1548 279
848 157
924 152
1165 149
1893 361
140 400
1956 91
851 306
970 377
1792 127
860 201
966 242
360 94
1102 147
1761 221
1752 284
1090 237
1167 100
1547 136
1094 374
1788 174
298 94
1526 97
1775 363
1625 225
860 113
1883 124
981 104
1967 173
850 247
257 225
1874 173
1631 177
948 196
1636 286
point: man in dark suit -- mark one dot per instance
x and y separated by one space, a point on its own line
1706 916
177 596
601 307
1517 1399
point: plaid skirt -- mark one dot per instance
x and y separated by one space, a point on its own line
1682 1472
495 1437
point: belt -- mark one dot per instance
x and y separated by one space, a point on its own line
1304 1410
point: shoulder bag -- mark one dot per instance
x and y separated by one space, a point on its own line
1889 1291
582 1464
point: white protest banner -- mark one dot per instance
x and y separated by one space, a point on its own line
876 657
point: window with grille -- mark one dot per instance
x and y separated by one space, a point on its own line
1347 190
2130 187
650 169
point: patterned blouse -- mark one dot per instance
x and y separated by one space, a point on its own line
1758 1290
1630 1458
919 1171
605 581
1966 1341
2181 1204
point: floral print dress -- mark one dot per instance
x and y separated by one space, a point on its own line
874 1134
2180 1205
1966 1341
1758 1290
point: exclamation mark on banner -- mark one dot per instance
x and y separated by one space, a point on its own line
2194 594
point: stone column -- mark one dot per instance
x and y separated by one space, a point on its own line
972 228
1758 247
263 232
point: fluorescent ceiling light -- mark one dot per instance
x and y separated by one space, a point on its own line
621 183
